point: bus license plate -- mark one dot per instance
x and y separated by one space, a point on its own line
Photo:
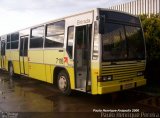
128 86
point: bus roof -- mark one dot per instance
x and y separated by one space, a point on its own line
72 15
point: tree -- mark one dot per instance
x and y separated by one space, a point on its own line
151 27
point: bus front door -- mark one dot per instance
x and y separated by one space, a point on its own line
3 54
82 57
23 55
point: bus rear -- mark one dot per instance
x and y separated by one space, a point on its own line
122 51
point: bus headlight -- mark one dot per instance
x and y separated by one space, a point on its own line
105 78
140 73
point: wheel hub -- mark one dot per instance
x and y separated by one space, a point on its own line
11 70
62 83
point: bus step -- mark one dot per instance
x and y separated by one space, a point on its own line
81 89
24 74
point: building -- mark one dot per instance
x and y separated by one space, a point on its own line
139 7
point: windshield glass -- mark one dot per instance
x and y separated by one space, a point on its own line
114 43
135 42
122 42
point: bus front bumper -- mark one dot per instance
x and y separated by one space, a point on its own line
121 86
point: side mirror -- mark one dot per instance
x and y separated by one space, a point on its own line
101 24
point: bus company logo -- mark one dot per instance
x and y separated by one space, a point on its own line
80 22
66 60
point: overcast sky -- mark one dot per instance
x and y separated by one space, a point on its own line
19 14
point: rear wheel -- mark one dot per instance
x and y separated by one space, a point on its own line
64 83
11 70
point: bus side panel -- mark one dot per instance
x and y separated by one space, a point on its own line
15 61
48 73
37 71
54 58
36 65
94 74
7 58
71 75
16 66
69 64
6 63
52 69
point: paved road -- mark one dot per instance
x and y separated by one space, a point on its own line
26 95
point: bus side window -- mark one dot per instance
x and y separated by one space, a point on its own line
14 40
37 36
3 47
55 35
8 41
70 41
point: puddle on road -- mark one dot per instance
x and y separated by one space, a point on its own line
28 95
16 98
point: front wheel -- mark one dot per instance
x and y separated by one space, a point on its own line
64 83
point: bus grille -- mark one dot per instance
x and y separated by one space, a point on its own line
122 71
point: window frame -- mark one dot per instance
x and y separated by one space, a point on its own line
8 42
54 47
120 59
30 37
129 47
3 49
14 41
126 38
70 56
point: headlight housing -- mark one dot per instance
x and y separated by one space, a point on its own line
105 78
140 73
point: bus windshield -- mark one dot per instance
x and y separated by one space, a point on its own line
122 41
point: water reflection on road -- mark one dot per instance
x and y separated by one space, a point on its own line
22 94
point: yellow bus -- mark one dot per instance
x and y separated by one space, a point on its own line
98 51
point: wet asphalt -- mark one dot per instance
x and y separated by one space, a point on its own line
25 95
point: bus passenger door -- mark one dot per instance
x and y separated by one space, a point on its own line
23 55
82 57
3 47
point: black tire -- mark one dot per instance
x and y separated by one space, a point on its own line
11 70
63 82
